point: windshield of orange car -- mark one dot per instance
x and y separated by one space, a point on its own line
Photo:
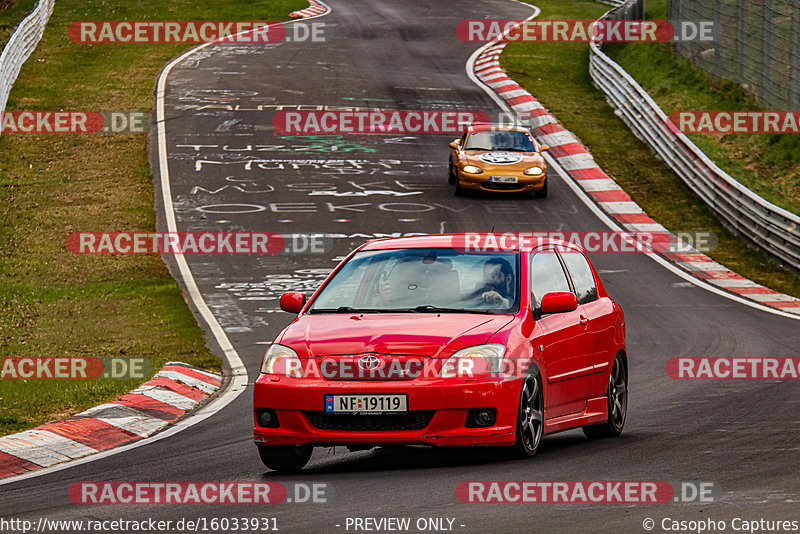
423 280
499 140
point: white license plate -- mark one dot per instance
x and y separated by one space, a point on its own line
395 403
504 179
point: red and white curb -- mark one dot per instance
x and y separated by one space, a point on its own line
581 167
176 389
314 9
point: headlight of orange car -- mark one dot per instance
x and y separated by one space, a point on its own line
281 360
475 361
533 171
472 169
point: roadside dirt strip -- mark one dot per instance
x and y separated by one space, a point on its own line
176 389
579 164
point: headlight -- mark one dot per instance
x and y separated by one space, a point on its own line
281 360
533 171
472 169
474 361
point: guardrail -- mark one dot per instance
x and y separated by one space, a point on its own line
774 229
20 46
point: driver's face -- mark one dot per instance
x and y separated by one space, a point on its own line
493 274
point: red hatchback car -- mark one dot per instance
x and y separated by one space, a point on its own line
436 341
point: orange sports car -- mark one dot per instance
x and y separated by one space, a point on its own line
498 158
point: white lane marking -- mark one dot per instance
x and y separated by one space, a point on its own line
495 76
733 282
239 379
768 296
502 83
559 138
703 266
202 385
528 105
514 93
166 396
214 376
625 207
43 448
541 120
645 227
575 162
600 184
126 418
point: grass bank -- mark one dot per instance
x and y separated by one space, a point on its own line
558 75
54 303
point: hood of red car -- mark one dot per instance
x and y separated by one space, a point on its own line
433 335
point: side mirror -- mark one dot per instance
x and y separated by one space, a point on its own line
454 144
542 148
293 302
559 302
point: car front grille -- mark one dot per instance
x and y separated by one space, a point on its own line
393 367
502 187
415 420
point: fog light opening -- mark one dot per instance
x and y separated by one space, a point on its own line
267 418
481 418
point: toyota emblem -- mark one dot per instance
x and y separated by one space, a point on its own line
369 362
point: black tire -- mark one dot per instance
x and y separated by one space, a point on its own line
617 395
285 459
530 416
451 176
459 192
541 193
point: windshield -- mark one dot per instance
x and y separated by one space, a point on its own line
423 280
499 140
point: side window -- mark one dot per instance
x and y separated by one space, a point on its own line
463 139
547 275
582 277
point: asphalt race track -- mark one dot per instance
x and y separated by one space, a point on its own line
228 171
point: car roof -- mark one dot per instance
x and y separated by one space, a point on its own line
488 241
485 126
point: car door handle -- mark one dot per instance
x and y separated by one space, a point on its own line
584 320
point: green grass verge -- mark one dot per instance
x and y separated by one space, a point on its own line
54 303
558 75
769 164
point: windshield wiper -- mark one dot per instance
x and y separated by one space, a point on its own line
436 309
348 309
427 308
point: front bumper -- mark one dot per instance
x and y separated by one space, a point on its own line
483 182
299 404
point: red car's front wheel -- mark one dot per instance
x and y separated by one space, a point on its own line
530 416
285 459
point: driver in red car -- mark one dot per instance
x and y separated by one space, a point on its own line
498 283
